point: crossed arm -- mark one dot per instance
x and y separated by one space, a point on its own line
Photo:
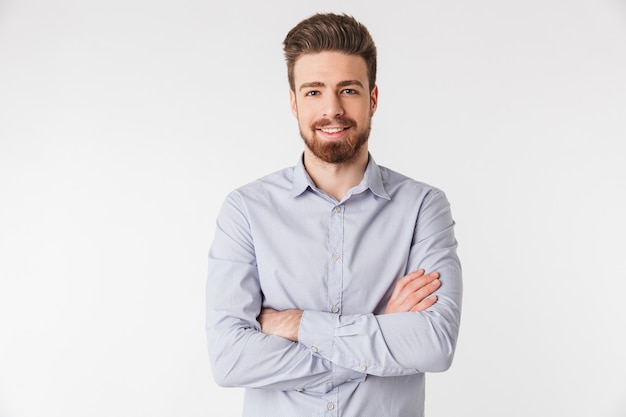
412 293
331 348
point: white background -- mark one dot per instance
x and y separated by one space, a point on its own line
124 123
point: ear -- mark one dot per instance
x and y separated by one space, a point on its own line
373 100
292 101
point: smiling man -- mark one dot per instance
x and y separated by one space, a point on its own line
333 285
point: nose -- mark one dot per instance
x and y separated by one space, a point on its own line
332 106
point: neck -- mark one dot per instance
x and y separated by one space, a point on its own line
336 179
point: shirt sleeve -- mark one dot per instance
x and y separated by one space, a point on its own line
240 354
401 343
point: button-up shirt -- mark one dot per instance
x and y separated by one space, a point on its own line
282 243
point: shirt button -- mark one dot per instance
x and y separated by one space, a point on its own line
362 367
337 209
314 349
335 309
335 255
330 406
300 390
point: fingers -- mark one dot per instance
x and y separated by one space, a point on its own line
405 280
413 292
420 282
419 291
425 304
418 287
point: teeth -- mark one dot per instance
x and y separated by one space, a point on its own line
333 130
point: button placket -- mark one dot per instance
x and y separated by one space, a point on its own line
335 268
331 401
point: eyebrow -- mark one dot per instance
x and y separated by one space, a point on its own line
340 84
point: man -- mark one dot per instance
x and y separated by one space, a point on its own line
333 285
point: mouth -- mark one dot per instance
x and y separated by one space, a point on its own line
332 132
332 129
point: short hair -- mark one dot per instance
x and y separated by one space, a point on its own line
330 32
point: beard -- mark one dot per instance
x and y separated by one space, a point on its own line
340 151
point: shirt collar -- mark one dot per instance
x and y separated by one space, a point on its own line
372 179
301 179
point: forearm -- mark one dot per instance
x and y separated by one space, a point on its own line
385 345
244 357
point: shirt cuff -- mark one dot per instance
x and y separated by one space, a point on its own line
316 332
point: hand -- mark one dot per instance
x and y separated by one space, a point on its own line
413 292
284 323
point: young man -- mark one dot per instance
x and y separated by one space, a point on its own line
333 285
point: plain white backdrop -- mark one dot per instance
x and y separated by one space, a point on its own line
123 124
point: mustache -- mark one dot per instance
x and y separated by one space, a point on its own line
339 120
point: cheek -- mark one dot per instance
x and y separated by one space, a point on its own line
305 116
365 113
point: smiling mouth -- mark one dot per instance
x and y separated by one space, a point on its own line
332 129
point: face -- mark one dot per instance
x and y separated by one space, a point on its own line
333 104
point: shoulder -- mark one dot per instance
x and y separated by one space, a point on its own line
397 184
264 189
426 202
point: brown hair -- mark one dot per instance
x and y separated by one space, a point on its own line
330 32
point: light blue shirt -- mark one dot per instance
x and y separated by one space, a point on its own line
282 243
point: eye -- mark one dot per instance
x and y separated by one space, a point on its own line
312 93
349 91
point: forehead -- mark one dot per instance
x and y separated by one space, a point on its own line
329 67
